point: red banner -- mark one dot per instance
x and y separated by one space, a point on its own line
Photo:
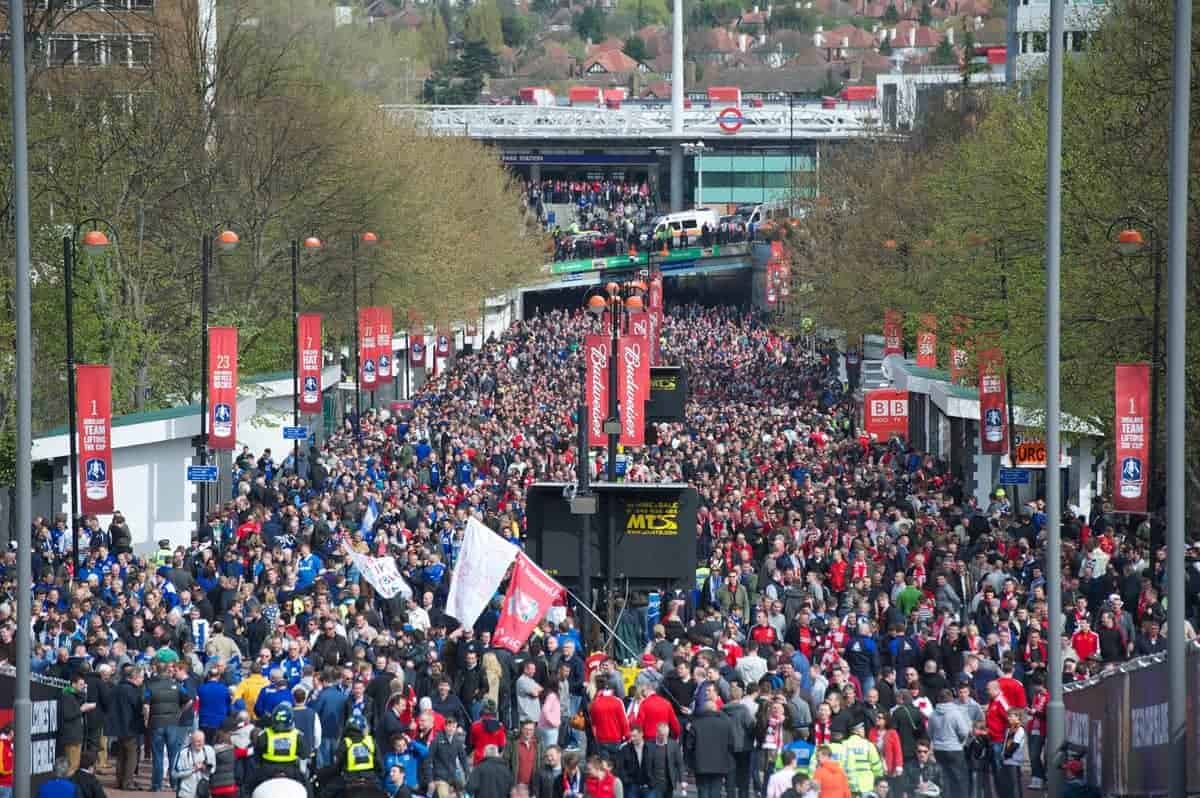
367 322
531 592
472 330
595 356
1132 428
416 350
633 387
308 367
639 324
655 307
442 349
885 413
927 342
93 401
222 387
993 413
383 342
893 333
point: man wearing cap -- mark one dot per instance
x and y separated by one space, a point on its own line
862 762
163 557
486 732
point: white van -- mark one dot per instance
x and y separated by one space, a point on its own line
768 211
685 226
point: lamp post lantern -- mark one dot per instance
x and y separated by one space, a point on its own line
226 241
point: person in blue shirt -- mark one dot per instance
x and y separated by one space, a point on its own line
216 702
330 706
273 694
308 567
60 786
407 755
293 665
862 655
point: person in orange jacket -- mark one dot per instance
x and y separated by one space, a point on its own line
830 776
6 762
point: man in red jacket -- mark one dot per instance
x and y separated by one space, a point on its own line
1085 642
610 725
653 710
488 730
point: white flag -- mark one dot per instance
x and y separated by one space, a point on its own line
382 574
482 563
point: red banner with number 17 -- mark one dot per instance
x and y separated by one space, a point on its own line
1132 429
93 391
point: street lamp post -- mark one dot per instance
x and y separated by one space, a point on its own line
94 242
697 149
310 244
1129 242
369 240
227 240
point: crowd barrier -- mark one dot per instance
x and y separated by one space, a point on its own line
44 692
1120 717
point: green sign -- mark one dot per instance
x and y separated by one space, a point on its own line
614 262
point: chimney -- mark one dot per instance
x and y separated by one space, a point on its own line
950 35
912 36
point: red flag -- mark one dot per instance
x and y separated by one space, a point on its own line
927 342
308 368
222 387
633 388
383 342
443 344
1132 462
885 413
93 392
531 592
595 355
893 332
993 416
369 375
416 350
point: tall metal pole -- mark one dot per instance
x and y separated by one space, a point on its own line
1177 231
1011 46
1056 710
677 105
615 309
1155 372
202 487
72 438
296 351
22 708
357 364
583 475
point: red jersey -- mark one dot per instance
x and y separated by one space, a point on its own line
1085 643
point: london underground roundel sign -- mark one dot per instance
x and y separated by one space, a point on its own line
730 120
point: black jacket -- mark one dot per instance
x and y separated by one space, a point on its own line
330 651
709 743
743 725
447 757
87 785
491 778
70 718
543 782
629 770
916 773
126 711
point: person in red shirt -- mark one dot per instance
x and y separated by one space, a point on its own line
762 632
610 724
996 715
653 710
1085 641
1014 691
488 730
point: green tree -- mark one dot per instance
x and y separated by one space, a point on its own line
482 24
517 29
943 54
885 46
635 48
435 40
590 24
792 18
926 16
892 14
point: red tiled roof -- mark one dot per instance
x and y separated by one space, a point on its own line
714 40
612 61
608 45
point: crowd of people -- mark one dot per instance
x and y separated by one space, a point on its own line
859 625
621 197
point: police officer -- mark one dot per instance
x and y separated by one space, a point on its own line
164 556
861 763
280 748
355 760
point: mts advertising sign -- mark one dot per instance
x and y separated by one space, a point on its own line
595 357
993 416
1132 430
885 413
222 387
93 391
633 387
308 347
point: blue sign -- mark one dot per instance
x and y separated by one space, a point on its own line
1014 476
295 433
580 158
202 473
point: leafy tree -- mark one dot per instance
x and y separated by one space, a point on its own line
892 14
885 46
590 24
640 13
926 16
792 18
482 24
543 7
943 54
517 29
435 40
635 48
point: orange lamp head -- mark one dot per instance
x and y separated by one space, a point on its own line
95 242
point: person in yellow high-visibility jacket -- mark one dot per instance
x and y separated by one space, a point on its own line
862 762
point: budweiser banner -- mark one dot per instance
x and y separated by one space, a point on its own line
416 350
655 307
369 375
443 344
639 324
1132 429
633 388
885 413
531 592
308 349
93 392
927 342
993 415
595 356
383 342
222 387
893 333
